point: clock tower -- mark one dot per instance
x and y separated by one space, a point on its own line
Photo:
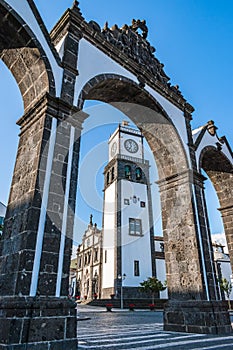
128 235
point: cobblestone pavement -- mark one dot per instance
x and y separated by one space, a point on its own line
139 330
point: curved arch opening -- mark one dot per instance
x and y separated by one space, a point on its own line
25 58
134 104
11 109
218 193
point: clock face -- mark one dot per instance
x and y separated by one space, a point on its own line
131 146
113 149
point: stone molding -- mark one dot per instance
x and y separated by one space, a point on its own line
136 64
56 108
178 179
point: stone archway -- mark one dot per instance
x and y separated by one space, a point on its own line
220 172
190 277
36 245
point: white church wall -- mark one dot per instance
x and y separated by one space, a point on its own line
108 236
161 275
135 248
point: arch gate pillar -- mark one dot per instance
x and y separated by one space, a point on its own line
227 217
193 304
35 249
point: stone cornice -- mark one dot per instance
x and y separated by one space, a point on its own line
56 108
191 176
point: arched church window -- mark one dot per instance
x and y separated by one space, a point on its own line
138 172
107 178
127 172
113 173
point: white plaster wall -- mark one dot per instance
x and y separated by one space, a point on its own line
108 236
25 12
209 140
93 62
161 275
60 47
135 247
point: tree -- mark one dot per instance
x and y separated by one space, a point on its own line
226 287
153 285
1 229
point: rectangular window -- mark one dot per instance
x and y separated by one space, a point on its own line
105 256
142 204
96 255
135 227
126 201
136 268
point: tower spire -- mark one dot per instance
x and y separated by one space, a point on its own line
91 222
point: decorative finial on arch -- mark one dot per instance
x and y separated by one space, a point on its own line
211 128
138 24
75 4
76 7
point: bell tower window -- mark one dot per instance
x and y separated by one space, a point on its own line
113 174
138 172
108 178
127 172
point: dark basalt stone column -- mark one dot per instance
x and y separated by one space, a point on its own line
35 248
192 305
227 217
37 323
207 317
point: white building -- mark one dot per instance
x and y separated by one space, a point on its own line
89 260
222 264
128 235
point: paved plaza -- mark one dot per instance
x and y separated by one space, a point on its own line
138 330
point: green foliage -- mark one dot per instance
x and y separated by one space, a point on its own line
226 287
1 229
153 285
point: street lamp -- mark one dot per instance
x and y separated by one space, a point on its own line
122 278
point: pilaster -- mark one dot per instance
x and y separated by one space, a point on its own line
35 248
190 272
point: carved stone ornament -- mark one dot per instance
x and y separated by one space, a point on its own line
211 128
128 40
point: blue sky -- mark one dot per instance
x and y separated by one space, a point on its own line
193 39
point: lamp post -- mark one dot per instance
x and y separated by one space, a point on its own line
122 278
